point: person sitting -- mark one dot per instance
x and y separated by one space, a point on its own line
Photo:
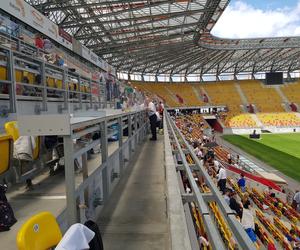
226 196
234 205
242 183
293 239
248 221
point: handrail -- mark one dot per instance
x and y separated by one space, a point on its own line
242 238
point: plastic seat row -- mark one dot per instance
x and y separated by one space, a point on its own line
6 146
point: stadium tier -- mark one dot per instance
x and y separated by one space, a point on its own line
292 92
266 99
279 119
241 121
83 86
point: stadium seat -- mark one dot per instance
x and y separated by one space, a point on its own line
11 129
291 91
40 232
266 99
5 152
279 119
3 73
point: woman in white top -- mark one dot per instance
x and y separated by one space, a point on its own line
248 221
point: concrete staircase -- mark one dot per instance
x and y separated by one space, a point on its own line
285 100
241 93
255 118
197 93
204 91
172 95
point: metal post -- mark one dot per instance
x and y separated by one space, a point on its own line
44 89
104 155
135 130
70 181
80 93
65 89
121 157
129 135
12 87
85 175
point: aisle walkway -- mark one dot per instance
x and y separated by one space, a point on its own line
135 216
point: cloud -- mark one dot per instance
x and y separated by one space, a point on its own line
241 20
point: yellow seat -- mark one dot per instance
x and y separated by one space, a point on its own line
40 232
5 152
11 129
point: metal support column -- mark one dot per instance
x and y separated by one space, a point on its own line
121 155
129 135
12 87
104 155
44 89
70 181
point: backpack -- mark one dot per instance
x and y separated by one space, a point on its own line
7 217
96 243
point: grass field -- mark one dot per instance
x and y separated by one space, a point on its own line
281 151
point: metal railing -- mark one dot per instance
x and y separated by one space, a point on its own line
202 199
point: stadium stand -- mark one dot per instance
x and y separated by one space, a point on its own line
279 119
78 118
266 99
291 91
272 226
240 121
159 90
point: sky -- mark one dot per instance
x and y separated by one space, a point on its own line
259 18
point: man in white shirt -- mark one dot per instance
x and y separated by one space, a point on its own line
222 176
152 117
296 200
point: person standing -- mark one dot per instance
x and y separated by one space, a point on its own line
222 176
152 117
242 183
296 201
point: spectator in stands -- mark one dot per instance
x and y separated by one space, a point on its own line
237 159
152 117
248 221
269 192
39 41
242 183
59 61
227 196
293 239
48 46
229 158
222 176
234 205
296 201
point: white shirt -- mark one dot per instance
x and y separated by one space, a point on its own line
297 197
222 174
247 219
151 109
229 156
77 237
217 164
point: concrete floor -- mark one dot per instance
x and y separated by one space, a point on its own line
135 216
48 195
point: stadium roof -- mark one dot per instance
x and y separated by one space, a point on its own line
167 37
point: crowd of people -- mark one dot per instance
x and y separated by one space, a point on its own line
240 204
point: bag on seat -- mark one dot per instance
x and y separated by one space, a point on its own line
96 243
7 217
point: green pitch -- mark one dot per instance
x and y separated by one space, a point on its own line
281 151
